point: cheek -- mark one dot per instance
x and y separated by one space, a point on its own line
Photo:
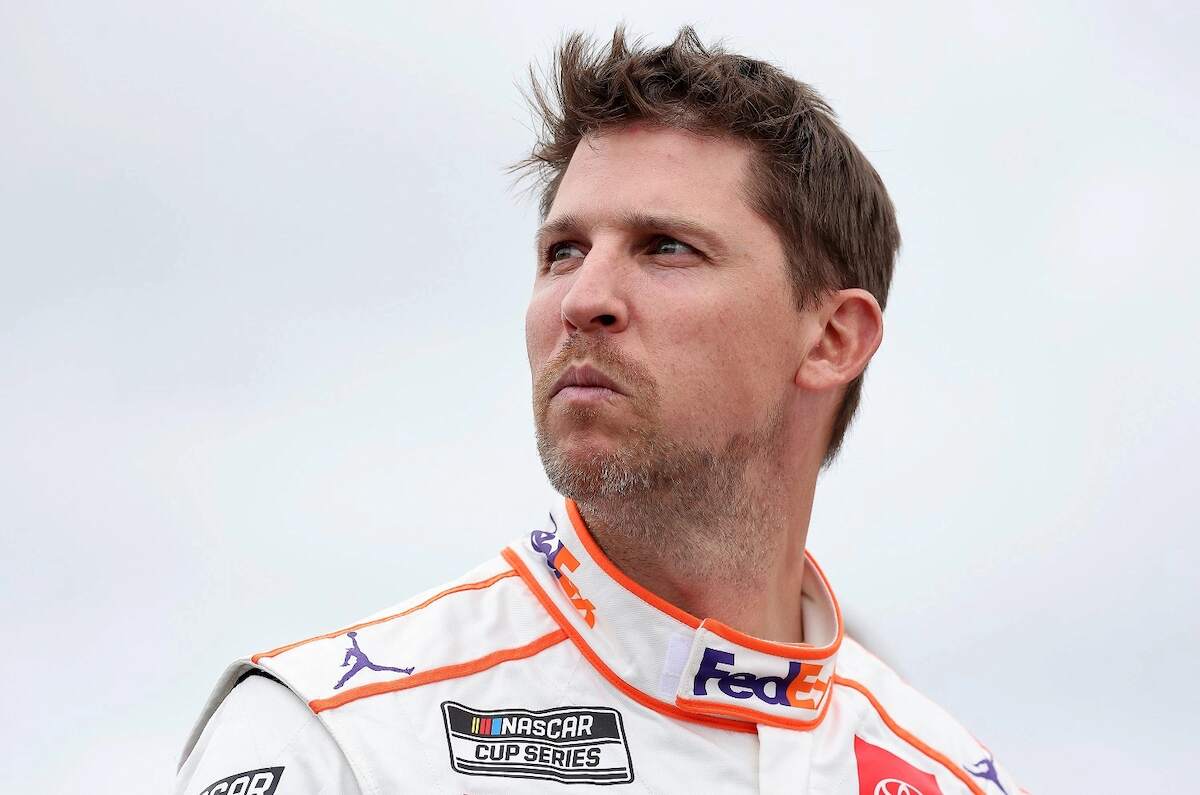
728 363
541 326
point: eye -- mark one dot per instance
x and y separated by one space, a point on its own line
560 252
669 245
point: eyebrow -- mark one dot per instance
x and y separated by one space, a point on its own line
562 225
572 224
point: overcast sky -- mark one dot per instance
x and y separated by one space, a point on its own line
262 364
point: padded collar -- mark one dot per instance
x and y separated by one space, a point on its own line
668 659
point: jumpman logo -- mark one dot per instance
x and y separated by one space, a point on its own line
361 661
987 771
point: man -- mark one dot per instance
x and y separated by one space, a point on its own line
712 269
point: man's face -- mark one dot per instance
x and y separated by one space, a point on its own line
662 332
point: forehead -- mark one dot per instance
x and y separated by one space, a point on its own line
651 169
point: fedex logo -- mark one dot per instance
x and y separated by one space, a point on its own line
795 689
561 560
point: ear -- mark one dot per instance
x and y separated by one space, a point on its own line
849 330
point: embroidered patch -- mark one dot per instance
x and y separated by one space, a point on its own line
361 661
571 745
253 782
986 769
880 772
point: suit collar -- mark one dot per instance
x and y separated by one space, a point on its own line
689 667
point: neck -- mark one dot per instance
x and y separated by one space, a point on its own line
735 554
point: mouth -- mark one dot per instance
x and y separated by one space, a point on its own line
584 381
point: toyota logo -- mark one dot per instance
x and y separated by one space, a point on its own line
894 786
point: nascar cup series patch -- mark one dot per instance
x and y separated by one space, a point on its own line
572 745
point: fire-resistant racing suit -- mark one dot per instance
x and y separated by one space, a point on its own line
547 669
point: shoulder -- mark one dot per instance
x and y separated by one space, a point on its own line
427 637
485 611
259 736
459 597
882 698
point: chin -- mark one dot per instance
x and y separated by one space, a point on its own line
585 466
586 427
587 449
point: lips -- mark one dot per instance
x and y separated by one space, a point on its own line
584 375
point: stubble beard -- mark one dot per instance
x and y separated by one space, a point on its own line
707 508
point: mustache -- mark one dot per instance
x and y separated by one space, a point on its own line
603 353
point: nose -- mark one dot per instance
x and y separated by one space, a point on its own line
595 301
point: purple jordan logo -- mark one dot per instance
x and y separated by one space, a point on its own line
987 771
361 661
541 540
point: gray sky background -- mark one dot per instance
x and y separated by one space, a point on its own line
263 369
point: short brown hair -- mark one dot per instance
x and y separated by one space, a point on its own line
809 180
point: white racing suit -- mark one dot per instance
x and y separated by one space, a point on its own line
548 670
